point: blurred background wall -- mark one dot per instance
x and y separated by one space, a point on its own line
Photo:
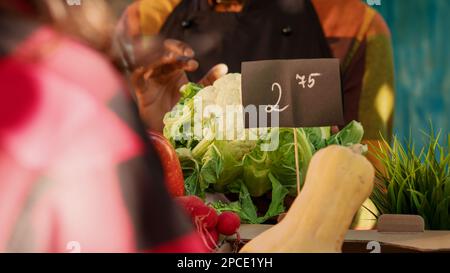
421 37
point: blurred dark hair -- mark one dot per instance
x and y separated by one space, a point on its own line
92 22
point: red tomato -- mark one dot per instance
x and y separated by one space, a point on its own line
171 165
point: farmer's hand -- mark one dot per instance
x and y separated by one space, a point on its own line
158 83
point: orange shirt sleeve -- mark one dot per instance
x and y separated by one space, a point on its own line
153 14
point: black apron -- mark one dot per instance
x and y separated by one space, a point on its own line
264 30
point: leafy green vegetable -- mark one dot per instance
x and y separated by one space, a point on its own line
222 163
242 166
189 91
277 205
212 165
283 167
182 117
256 170
247 210
352 134
191 170
280 164
415 182
318 136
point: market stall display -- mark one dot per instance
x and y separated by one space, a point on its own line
336 180
240 167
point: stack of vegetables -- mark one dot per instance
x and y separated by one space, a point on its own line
242 167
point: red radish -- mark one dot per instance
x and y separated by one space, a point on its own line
191 203
205 219
199 211
207 216
212 238
228 223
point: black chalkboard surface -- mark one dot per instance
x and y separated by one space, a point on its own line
300 93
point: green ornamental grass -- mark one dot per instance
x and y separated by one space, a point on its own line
415 181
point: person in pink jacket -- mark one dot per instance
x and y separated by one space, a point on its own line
77 172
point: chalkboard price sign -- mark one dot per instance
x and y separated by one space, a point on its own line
303 93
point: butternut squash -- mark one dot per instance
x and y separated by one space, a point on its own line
338 181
